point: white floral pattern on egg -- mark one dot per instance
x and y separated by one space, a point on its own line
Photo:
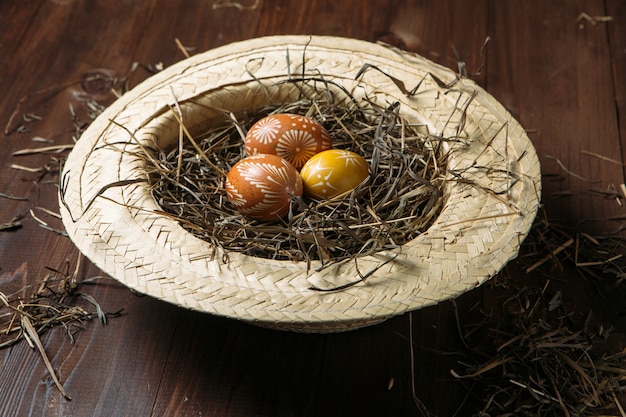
293 137
262 186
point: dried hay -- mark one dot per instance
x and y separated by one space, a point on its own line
535 354
405 196
50 303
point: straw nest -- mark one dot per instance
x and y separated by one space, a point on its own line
455 186
403 197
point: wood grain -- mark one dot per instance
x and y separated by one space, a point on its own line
560 76
553 72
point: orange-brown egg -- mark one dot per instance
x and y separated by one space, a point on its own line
293 137
333 172
261 186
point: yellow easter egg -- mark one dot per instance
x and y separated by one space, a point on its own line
333 172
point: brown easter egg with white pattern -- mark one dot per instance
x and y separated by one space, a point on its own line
262 186
291 136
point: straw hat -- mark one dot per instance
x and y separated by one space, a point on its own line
111 216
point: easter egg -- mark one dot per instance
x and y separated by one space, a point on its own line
293 137
261 186
333 172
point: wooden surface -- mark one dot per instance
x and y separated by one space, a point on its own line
561 75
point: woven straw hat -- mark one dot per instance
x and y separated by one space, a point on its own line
111 216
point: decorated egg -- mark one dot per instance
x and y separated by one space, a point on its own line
261 186
333 172
293 137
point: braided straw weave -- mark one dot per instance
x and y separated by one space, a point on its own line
111 216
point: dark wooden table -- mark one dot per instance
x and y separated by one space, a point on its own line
557 66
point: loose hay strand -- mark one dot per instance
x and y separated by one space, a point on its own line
34 338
